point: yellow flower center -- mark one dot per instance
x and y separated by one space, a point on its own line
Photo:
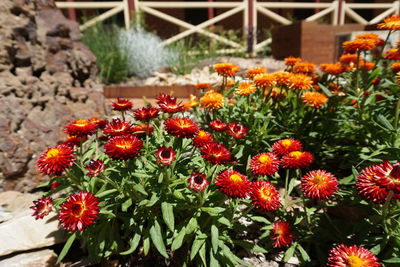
318 179
81 123
236 178
264 159
355 261
52 153
296 154
77 210
265 193
202 134
183 124
286 142
124 145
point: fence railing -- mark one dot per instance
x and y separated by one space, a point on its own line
338 10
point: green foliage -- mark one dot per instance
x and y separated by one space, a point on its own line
102 40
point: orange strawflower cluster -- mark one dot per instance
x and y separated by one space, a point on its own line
212 100
245 88
333 69
250 73
390 23
314 99
226 69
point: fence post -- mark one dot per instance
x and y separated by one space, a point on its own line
71 12
252 21
335 13
127 19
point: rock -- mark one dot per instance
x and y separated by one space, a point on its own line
47 79
41 258
23 232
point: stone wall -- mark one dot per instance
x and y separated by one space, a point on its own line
47 79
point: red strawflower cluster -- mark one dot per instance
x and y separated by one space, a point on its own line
198 181
236 130
319 184
95 167
56 159
142 129
233 184
80 128
42 207
285 146
264 195
100 123
202 138
264 164
122 104
146 113
79 211
169 103
165 155
218 126
123 147
181 127
216 153
117 127
281 234
297 160
349 256
74 141
375 182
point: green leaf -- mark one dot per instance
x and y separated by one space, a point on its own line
214 238
325 90
140 189
202 253
153 200
106 193
168 215
289 253
126 205
385 123
225 221
157 238
260 219
392 260
213 260
134 242
66 248
178 240
213 211
197 243
303 253
146 245
192 226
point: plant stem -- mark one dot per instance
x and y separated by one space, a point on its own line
286 188
396 122
385 211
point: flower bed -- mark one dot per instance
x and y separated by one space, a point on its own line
291 161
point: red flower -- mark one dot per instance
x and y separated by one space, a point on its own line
56 159
181 127
319 184
169 103
352 256
236 130
375 182
198 182
122 104
264 164
202 138
297 160
95 168
233 184
218 125
80 128
123 147
146 113
264 195
54 185
281 234
117 127
42 207
284 146
79 211
73 141
100 123
165 155
216 153
142 129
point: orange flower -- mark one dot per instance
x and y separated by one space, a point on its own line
56 159
233 184
291 61
192 102
264 196
226 69
250 73
245 88
212 100
314 99
348 59
372 36
203 86
299 81
352 256
359 45
390 23
276 93
264 80
281 234
333 69
319 184
282 78
395 67
304 67
79 211
366 65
